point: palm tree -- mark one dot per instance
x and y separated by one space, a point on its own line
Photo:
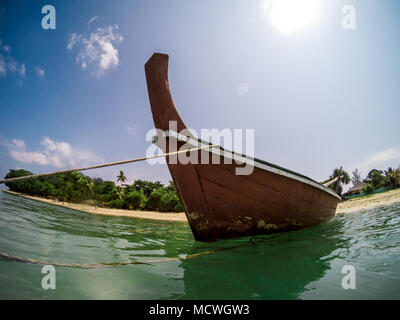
85 182
344 178
121 178
391 180
356 177
116 192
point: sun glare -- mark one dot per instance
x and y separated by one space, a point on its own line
290 15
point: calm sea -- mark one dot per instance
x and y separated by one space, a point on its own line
303 264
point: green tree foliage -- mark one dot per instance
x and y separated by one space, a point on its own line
168 202
165 199
147 186
396 176
135 200
103 191
368 188
392 177
344 179
154 199
179 207
23 186
376 179
116 204
117 192
75 187
382 178
171 187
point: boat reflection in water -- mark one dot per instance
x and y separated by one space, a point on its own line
278 266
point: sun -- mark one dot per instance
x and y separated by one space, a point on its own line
290 15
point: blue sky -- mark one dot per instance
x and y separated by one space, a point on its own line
319 97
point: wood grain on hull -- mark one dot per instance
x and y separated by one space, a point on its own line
262 202
220 204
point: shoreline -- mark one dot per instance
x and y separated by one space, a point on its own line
345 207
152 215
369 202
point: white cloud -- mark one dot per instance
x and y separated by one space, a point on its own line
40 72
91 20
96 49
72 41
3 70
8 64
54 153
379 160
22 70
29 157
18 143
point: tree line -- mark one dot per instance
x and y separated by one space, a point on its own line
154 196
381 178
76 187
375 179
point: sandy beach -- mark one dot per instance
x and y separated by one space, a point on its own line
167 216
369 202
348 206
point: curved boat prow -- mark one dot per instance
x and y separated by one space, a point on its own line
185 177
162 105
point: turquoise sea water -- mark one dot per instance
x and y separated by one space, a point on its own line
303 264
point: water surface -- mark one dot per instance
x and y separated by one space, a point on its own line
303 264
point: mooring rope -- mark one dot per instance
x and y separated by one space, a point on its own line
103 165
11 258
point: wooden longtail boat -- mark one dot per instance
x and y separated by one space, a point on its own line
221 204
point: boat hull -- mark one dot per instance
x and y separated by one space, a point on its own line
221 204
